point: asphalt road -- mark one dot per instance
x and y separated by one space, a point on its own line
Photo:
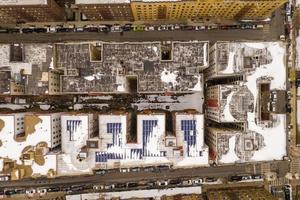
281 167
269 33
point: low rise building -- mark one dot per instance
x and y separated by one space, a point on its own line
29 69
132 67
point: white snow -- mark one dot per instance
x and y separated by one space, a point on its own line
89 78
230 157
45 107
51 64
199 84
169 77
13 106
274 137
298 52
255 45
230 67
227 114
205 58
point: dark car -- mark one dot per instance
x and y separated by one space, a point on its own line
148 169
120 185
210 179
174 182
53 189
40 30
287 192
100 172
27 30
2 30
91 29
187 28
132 185
14 30
9 192
127 27
288 108
236 178
63 30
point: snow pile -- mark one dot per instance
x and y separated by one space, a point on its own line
230 157
169 77
230 67
227 114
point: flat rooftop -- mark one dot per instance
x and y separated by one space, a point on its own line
132 67
22 2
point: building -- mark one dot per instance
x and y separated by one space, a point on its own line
28 69
244 114
132 67
227 59
189 133
144 10
76 129
21 11
25 149
228 103
48 124
105 10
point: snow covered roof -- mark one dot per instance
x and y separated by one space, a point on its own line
274 132
23 2
12 148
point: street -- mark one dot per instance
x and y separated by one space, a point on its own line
269 33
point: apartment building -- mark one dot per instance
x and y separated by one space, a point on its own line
217 139
234 59
197 9
96 10
48 124
21 11
228 103
16 120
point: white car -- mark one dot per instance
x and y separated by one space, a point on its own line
124 170
199 28
197 181
162 183
42 191
116 28
149 28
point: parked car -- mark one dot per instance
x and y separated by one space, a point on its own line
132 185
187 28
100 171
14 30
210 179
236 178
288 108
135 169
124 170
51 29
199 28
197 181
90 28
149 28
104 28
4 178
116 28
40 30
3 30
127 27
63 30
174 181
148 169
187 182
79 29
27 30
120 185
42 191
138 28
244 178
256 176
162 28
162 183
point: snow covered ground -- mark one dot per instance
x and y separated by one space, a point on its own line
274 136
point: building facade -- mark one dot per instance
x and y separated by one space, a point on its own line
105 10
195 9
21 11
